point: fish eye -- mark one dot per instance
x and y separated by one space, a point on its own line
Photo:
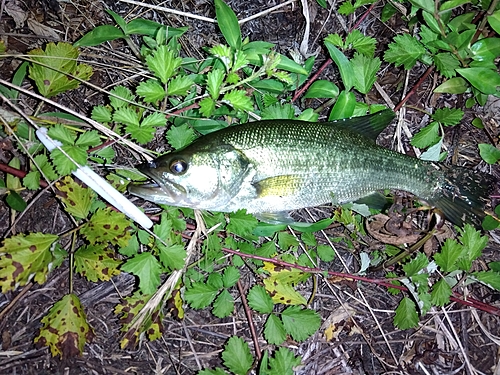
178 166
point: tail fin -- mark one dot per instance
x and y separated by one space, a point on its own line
464 195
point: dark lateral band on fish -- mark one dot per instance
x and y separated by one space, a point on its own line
273 167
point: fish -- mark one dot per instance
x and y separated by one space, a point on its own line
272 167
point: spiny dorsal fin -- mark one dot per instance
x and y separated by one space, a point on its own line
369 126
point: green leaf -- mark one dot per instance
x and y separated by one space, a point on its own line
96 263
65 166
236 356
489 153
447 258
284 362
126 115
142 134
163 63
406 314
486 49
207 107
57 69
215 280
278 111
485 80
228 24
151 91
147 268
216 371
223 304
274 330
77 200
260 300
427 136
365 72
325 253
61 133
451 4
101 114
180 136
241 223
238 100
448 116
15 201
346 8
406 50
88 139
117 94
300 323
361 43
155 119
180 85
344 106
214 81
441 293
472 241
417 264
322 89
494 21
343 64
98 35
200 295
456 85
446 63
490 278
230 276
172 256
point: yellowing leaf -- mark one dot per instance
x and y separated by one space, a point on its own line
25 257
286 275
76 199
95 263
107 225
65 329
52 69
283 293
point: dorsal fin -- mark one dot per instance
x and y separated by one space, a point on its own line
369 126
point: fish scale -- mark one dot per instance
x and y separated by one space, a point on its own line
272 167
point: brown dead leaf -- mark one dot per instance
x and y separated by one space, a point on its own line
19 16
42 30
379 229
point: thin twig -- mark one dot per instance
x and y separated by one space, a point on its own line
248 313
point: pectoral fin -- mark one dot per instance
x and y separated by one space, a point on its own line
278 186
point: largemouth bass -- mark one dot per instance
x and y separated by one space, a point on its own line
272 167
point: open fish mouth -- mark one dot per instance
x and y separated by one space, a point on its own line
158 192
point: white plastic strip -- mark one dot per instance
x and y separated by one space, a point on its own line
100 185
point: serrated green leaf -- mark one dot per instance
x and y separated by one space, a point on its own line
448 116
490 278
404 50
200 295
223 304
236 355
155 119
61 133
489 153
216 371
32 180
473 241
446 63
163 63
172 257
447 258
147 268
230 276
300 323
57 65
142 134
361 43
427 136
180 85
238 100
65 166
241 223
88 139
346 8
260 300
406 314
343 64
441 293
119 96
325 253
214 81
96 263
180 136
77 200
228 24
126 115
207 107
365 72
274 330
151 91
101 114
106 225
278 111
413 267
284 362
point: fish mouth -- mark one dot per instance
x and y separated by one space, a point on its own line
157 189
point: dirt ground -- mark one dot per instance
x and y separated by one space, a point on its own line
453 340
